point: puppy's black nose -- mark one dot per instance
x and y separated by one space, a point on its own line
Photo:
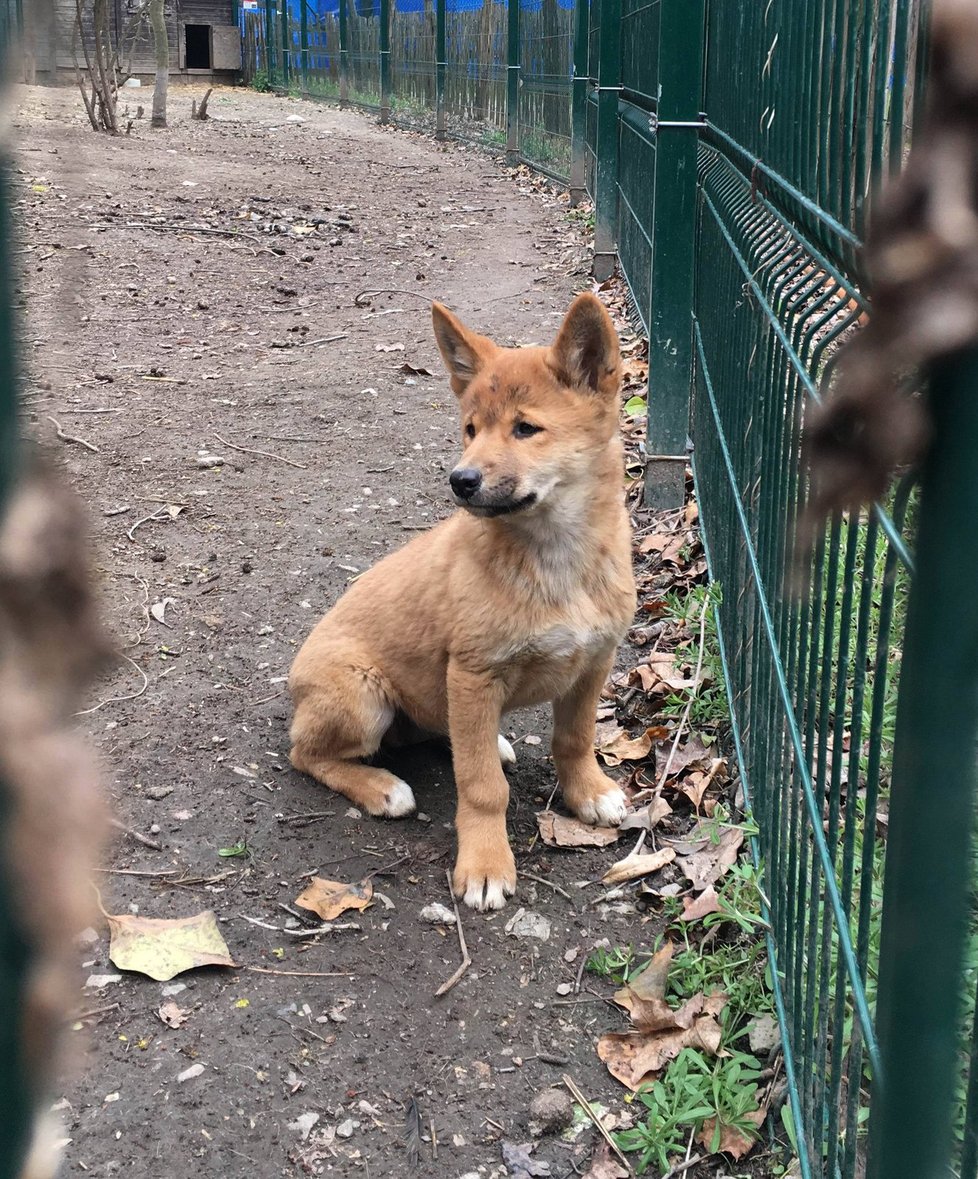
465 481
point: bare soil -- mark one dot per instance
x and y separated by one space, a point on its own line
176 284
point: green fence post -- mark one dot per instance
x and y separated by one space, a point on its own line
304 45
285 43
928 881
441 64
270 42
344 53
16 1092
579 102
670 317
513 84
606 170
385 61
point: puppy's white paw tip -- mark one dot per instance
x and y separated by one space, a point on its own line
610 808
400 801
491 894
507 754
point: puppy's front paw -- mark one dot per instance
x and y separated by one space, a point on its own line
485 879
399 801
603 810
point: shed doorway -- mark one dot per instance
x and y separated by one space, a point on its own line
198 44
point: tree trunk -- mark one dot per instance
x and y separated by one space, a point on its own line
157 22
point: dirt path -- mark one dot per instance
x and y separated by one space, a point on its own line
162 347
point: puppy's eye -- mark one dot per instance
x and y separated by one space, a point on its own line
470 431
526 430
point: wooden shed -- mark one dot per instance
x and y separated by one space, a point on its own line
205 40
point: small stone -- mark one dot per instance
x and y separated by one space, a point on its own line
551 1111
188 1074
437 914
527 924
245 566
304 1123
565 988
345 1129
158 793
206 461
763 1034
97 981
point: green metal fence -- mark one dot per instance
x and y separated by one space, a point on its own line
732 152
478 70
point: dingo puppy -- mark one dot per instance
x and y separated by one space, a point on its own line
520 597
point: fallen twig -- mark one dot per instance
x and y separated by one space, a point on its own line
136 872
119 699
466 960
583 1102
683 1167
299 1028
157 515
309 343
301 973
693 692
71 437
369 294
143 839
549 883
264 453
96 1011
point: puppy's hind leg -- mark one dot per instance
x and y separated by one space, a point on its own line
338 720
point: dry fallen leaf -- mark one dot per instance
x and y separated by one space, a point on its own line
560 831
733 1142
661 1032
330 898
163 948
636 865
173 1015
693 753
707 866
635 1058
645 818
621 747
604 1165
697 907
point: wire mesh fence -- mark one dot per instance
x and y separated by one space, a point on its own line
453 67
732 153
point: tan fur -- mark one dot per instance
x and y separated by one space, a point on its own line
487 613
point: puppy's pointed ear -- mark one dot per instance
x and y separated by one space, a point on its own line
585 354
463 352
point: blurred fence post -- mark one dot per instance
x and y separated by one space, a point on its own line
286 37
928 876
513 84
606 172
673 231
441 125
15 1089
579 102
344 53
385 61
304 44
